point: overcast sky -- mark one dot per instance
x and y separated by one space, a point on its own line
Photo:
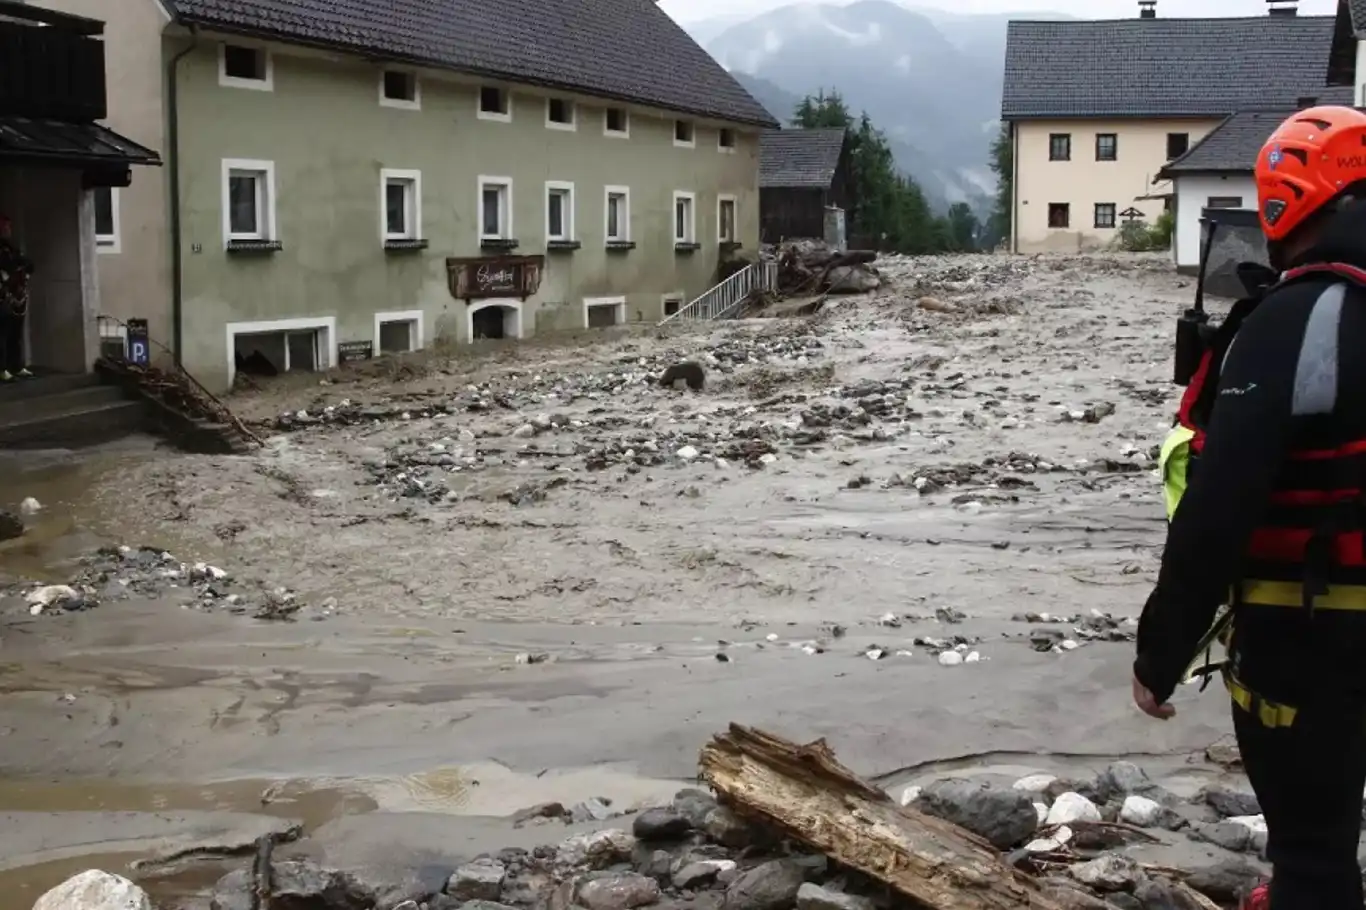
692 10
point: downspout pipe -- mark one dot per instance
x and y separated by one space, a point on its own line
173 141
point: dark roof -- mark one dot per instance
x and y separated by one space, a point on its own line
799 158
1232 146
1357 8
626 50
60 142
1162 67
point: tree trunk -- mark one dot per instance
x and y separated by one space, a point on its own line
808 795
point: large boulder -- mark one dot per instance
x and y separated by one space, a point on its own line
1004 817
95 890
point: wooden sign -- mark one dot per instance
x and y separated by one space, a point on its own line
353 351
494 276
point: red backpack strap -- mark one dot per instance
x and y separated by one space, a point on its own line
1341 269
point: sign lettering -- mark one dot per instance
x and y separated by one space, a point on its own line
353 351
489 278
1354 162
139 345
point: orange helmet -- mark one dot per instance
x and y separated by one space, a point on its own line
1308 161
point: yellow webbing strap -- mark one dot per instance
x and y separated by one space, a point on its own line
1269 713
1173 462
1291 594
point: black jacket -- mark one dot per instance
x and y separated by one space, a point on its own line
1281 653
15 271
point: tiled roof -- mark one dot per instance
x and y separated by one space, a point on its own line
1232 146
1163 67
626 50
58 141
799 158
1358 11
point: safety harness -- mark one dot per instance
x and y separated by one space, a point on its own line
1311 552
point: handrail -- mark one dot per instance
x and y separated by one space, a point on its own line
718 301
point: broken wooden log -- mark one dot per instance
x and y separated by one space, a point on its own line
808 795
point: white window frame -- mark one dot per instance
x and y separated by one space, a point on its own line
109 244
734 138
567 215
573 123
624 223
325 326
721 200
692 133
265 220
482 114
415 333
413 180
618 302
401 103
506 184
261 85
617 134
680 295
679 196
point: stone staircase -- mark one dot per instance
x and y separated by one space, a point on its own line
51 412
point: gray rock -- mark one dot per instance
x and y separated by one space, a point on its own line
1229 835
661 824
1111 872
295 883
617 891
771 886
1155 895
485 905
1068 895
700 873
657 864
814 897
1087 787
527 888
853 279
1227 882
1122 779
596 809
1230 803
11 525
1004 817
481 880
395 887
597 850
726 827
694 805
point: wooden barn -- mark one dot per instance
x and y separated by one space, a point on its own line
801 172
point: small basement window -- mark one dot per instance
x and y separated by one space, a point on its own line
398 89
1059 214
241 66
683 132
559 113
672 305
272 353
398 333
615 122
604 312
494 103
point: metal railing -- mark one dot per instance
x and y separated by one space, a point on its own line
723 299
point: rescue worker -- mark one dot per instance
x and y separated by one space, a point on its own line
1272 515
15 271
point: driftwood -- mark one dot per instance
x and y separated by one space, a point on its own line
808 795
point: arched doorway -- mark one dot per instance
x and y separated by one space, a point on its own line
487 319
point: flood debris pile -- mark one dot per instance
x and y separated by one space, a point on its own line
121 573
815 267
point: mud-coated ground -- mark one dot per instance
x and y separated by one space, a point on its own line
528 574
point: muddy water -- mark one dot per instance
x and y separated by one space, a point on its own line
412 700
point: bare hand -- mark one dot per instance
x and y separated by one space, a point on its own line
1148 704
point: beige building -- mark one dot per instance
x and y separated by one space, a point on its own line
1097 108
375 180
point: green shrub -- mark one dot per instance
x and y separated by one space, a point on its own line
1141 237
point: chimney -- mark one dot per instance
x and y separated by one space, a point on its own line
1281 7
1147 9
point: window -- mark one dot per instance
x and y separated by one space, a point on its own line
618 216
248 201
1060 147
725 219
1059 214
106 205
559 114
398 332
1177 144
1105 215
672 303
1224 202
1107 146
245 67
616 122
683 134
495 104
399 89
685 228
402 204
559 211
725 140
495 208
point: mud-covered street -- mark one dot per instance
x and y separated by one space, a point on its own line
449 589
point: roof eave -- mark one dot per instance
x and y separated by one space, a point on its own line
1112 115
384 54
1174 173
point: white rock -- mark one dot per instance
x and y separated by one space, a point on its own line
95 890
1034 783
48 595
1139 810
910 795
972 657
1072 807
767 458
1041 809
1067 644
1056 841
687 453
950 659
524 431
1254 823
30 505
